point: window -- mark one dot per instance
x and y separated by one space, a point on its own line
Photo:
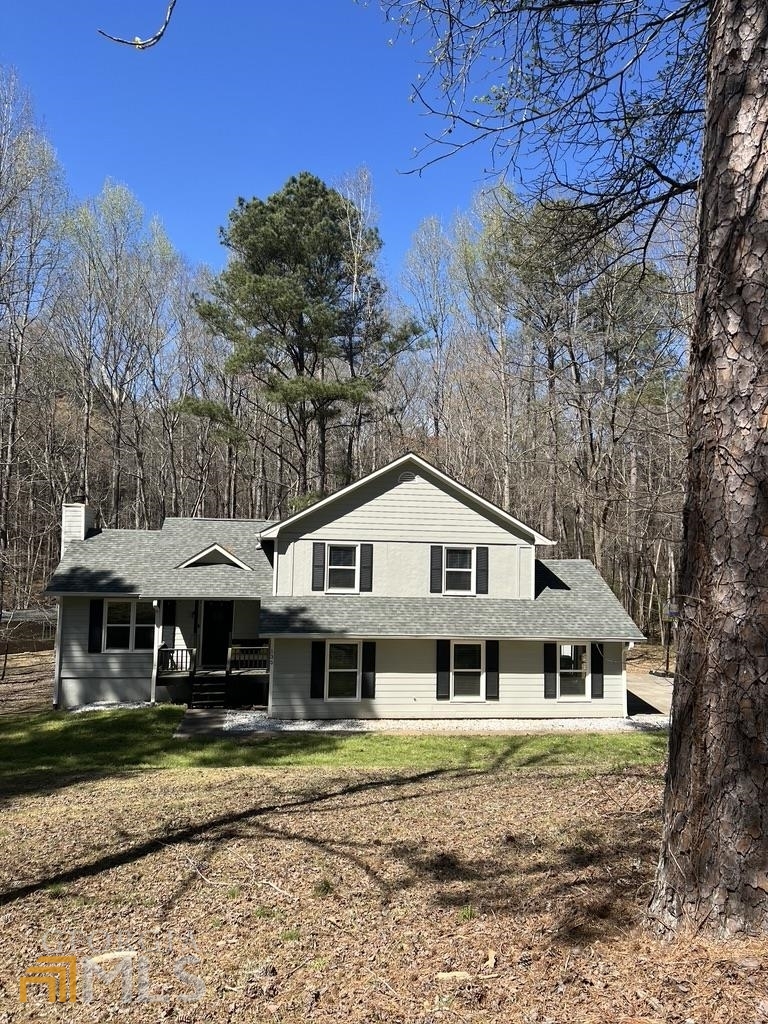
342 562
459 571
342 679
129 626
573 671
467 670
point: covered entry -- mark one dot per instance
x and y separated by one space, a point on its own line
216 633
211 654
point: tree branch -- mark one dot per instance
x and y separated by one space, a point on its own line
144 44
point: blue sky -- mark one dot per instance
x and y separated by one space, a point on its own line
236 98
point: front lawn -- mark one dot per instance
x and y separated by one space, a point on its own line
106 741
338 896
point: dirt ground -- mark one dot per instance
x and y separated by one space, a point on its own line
28 682
506 896
649 658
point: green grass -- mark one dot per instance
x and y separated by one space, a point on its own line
108 741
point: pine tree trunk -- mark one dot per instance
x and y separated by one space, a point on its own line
713 868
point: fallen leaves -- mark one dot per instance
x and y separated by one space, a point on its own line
323 896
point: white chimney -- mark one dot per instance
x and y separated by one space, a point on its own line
76 521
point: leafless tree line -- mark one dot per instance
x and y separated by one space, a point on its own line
546 377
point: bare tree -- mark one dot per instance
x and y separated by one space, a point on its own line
30 200
616 90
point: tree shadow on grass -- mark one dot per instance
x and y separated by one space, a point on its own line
586 877
51 751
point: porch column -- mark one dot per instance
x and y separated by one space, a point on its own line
158 606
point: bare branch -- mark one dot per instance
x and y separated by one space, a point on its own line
144 44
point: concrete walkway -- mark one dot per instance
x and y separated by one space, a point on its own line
648 693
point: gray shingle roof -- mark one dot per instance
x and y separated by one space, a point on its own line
573 603
144 562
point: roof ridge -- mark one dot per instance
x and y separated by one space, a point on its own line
214 519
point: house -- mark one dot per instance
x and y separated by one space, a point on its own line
403 595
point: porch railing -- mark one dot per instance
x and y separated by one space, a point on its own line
252 659
176 659
241 660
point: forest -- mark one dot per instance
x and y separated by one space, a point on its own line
545 374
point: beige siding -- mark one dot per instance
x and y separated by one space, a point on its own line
89 677
418 510
401 569
246 620
526 574
405 685
185 624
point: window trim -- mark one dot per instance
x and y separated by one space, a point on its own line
576 699
341 544
472 548
358 692
463 699
131 649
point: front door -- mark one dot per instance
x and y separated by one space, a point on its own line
217 630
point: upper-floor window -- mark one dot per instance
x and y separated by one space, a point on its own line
129 626
459 571
339 568
342 567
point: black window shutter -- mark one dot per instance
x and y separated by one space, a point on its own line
368 689
318 566
491 669
443 657
481 570
317 671
550 671
95 624
169 614
597 672
366 568
436 570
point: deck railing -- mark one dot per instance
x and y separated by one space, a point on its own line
179 660
247 660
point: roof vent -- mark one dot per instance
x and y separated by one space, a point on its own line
407 477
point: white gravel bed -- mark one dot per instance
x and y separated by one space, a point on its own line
108 705
257 721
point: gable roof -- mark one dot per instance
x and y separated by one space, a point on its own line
203 558
573 602
415 462
145 563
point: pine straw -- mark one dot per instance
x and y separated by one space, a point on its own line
342 897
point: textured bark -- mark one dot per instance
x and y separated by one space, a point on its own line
713 869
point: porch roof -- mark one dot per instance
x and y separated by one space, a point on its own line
144 563
573 602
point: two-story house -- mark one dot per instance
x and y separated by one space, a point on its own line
404 595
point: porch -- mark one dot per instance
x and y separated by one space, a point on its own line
210 654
